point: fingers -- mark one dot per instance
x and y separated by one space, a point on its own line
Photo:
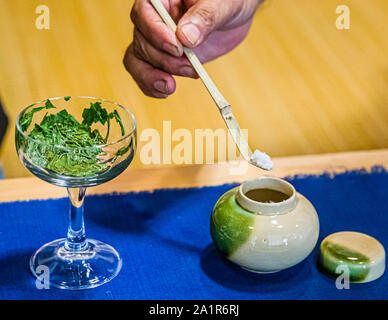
147 20
145 51
153 82
204 17
152 68
200 20
156 53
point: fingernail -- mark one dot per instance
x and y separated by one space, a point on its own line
188 72
172 49
161 86
191 33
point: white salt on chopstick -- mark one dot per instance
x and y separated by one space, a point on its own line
262 159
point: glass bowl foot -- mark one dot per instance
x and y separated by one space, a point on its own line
54 266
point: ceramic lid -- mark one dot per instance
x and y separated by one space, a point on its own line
355 254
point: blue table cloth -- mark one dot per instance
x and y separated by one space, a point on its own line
163 238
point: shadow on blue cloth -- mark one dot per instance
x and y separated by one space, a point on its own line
15 266
138 216
230 275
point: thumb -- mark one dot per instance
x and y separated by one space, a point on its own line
204 17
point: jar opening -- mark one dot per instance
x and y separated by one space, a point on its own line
266 195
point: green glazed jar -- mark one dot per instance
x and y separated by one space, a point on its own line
264 236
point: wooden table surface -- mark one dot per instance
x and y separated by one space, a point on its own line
134 180
300 85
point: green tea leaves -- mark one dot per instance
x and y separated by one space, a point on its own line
49 105
94 114
62 144
119 121
26 119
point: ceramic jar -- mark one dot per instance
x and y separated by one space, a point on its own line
264 237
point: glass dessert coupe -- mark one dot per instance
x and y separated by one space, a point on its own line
76 262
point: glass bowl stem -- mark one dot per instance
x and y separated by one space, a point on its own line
76 240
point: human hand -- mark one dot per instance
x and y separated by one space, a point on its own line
211 28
